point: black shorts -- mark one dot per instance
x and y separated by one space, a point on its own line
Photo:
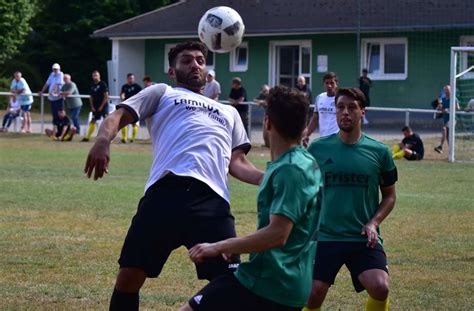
97 115
226 293
330 256
414 156
178 211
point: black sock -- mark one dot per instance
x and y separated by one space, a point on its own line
121 301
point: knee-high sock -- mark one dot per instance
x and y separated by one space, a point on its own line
376 305
124 301
395 148
134 131
90 131
125 132
398 155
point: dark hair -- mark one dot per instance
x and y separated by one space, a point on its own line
354 93
329 75
188 45
288 111
146 79
365 70
406 129
129 75
96 71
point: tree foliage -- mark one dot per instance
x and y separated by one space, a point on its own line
15 17
61 34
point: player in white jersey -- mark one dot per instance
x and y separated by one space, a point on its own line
324 110
196 143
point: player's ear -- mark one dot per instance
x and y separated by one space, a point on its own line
172 73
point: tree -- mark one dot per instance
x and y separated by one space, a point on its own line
14 26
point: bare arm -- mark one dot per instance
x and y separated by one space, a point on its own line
385 208
272 236
313 123
99 155
242 169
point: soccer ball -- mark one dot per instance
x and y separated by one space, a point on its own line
221 29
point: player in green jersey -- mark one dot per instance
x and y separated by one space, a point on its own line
278 273
354 168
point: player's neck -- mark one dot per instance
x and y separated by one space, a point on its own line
197 90
279 146
351 137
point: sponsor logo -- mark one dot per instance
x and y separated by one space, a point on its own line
203 107
197 299
345 179
233 265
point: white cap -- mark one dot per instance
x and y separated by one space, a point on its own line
211 73
56 66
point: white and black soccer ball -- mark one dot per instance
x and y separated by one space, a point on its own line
221 29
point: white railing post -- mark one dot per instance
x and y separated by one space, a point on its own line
407 117
42 113
452 107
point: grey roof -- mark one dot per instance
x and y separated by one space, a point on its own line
267 17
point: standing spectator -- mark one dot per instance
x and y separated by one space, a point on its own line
411 146
212 89
128 90
22 92
364 85
73 103
304 88
53 84
324 110
147 81
261 100
13 111
237 96
99 100
64 131
443 106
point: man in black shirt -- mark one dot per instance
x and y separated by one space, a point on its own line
64 131
237 96
128 90
364 85
410 148
99 100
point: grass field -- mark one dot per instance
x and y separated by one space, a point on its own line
61 234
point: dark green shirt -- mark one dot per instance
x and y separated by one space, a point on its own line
72 102
351 181
289 189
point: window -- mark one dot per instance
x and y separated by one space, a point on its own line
385 58
211 58
239 58
467 58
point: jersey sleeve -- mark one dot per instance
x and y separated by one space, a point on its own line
389 174
316 104
145 103
240 139
289 193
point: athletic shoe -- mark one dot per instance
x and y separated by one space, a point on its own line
439 149
131 141
84 139
124 141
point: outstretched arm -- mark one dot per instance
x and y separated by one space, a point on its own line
272 236
99 155
310 128
242 169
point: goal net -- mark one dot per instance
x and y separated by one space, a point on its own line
461 132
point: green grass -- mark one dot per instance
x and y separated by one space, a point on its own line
61 234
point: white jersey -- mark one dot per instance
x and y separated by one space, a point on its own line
326 109
191 134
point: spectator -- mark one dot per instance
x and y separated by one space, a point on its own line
470 106
22 92
364 85
13 111
64 131
54 84
73 103
237 96
324 110
303 87
443 106
261 100
147 81
99 100
212 89
128 90
410 148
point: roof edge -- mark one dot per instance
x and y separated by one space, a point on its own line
94 34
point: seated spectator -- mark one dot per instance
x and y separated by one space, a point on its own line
261 100
13 111
410 148
64 130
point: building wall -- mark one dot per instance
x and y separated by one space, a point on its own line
428 65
